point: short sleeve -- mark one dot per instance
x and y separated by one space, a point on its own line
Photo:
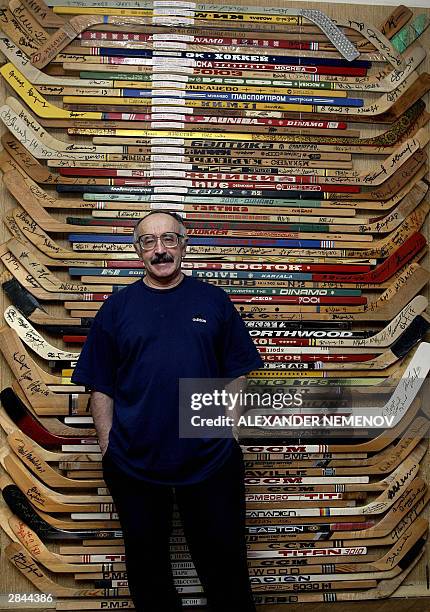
239 353
96 368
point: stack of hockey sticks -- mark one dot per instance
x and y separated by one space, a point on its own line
255 124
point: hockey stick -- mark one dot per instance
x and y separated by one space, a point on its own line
24 126
421 372
399 292
398 520
384 247
28 452
37 393
335 224
389 28
386 81
414 279
210 187
410 32
52 424
16 409
387 461
381 248
20 506
16 155
23 300
48 500
45 498
19 557
299 185
18 414
380 174
410 251
39 276
33 339
139 204
48 380
390 105
298 144
59 40
23 562
381 504
80 23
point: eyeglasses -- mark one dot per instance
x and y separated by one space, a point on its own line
169 240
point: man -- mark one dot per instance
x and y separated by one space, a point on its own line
143 340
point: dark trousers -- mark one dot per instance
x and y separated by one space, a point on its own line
213 517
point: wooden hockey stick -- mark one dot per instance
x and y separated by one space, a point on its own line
21 190
396 20
409 252
283 313
409 541
390 458
394 523
48 500
20 442
76 25
20 505
247 223
298 144
381 504
19 414
45 498
18 555
34 233
27 186
37 393
25 126
403 384
50 381
380 248
376 177
411 442
227 119
390 105
23 562
16 156
88 555
43 14
59 40
39 276
173 187
29 454
414 279
335 224
176 73
298 455
30 336
403 524
412 58
14 120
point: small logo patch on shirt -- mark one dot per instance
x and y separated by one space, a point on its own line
199 319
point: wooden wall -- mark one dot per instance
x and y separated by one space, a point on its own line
417 584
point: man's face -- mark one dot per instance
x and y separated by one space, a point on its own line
161 263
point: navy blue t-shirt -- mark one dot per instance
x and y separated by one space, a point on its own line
141 343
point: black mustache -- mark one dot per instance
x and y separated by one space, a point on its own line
162 258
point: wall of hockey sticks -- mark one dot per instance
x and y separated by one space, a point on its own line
297 149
